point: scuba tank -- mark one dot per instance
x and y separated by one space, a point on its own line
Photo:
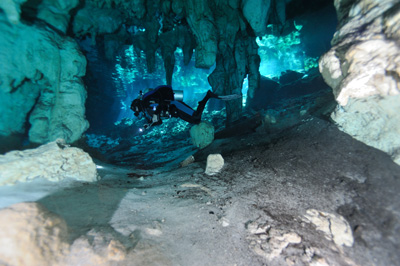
178 96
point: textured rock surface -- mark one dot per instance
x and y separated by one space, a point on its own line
201 21
269 242
31 235
215 162
220 33
374 121
334 226
12 10
96 248
363 69
94 20
53 161
41 82
202 134
56 12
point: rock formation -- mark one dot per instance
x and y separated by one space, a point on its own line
45 66
202 134
31 235
363 69
53 161
215 163
40 81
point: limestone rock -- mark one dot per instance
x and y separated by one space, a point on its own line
334 226
95 21
53 161
374 120
42 83
371 69
96 248
256 13
363 69
56 12
270 242
201 22
202 134
215 162
12 9
31 235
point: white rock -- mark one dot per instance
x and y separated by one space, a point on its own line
53 161
31 235
224 222
215 162
334 226
96 248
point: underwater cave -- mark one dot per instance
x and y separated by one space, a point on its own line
199 132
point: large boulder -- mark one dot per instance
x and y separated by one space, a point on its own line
363 69
53 161
202 134
31 235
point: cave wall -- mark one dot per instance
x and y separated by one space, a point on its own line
363 70
41 74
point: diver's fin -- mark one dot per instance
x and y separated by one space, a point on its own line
230 97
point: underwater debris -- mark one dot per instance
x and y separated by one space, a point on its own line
187 161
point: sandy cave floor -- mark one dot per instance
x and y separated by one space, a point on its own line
252 213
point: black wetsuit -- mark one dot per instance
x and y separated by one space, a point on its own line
160 103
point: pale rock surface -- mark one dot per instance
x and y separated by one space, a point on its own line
96 248
41 83
363 69
215 163
334 226
374 120
53 161
202 134
269 242
31 235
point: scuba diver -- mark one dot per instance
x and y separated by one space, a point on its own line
163 102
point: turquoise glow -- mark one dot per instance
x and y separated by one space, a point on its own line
131 76
281 53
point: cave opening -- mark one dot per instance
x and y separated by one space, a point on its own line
295 160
